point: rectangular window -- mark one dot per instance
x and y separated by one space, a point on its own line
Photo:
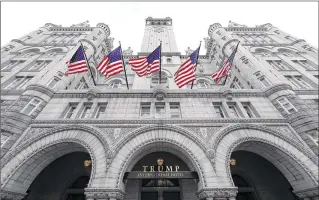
53 82
39 65
11 65
81 85
279 65
298 82
236 84
31 106
86 112
145 109
160 109
101 110
70 110
264 81
4 137
175 110
304 64
248 109
219 110
286 105
19 82
233 110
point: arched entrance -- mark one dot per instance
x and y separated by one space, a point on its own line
168 188
65 179
273 165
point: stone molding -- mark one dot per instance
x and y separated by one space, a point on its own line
90 43
307 193
227 43
7 195
223 132
216 93
106 193
159 121
41 88
217 192
275 88
12 153
213 27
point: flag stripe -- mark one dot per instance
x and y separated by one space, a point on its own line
111 64
77 63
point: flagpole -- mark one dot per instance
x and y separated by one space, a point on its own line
196 61
229 69
124 66
160 59
88 64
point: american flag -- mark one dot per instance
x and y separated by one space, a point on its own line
186 73
146 65
111 64
77 64
219 74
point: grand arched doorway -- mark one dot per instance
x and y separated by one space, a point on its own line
163 163
65 179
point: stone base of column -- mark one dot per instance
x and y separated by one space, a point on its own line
7 195
103 194
308 194
217 193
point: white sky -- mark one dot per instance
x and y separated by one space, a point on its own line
190 20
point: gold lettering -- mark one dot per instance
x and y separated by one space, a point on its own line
145 168
169 168
176 168
152 169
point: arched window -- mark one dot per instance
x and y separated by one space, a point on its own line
156 78
203 84
115 84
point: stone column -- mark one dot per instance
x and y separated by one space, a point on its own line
217 193
7 195
103 194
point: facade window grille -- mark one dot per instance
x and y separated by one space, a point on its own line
175 110
279 65
39 65
31 106
11 65
286 105
233 112
304 64
145 110
219 110
298 82
236 84
81 85
86 112
249 110
4 137
101 110
53 82
19 82
70 110
160 109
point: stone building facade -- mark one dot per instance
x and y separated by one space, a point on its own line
253 136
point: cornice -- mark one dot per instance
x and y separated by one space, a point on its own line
159 121
307 92
162 54
12 92
185 93
234 29
46 44
71 28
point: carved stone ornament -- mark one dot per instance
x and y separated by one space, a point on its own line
104 193
159 93
92 92
228 94
188 51
127 52
233 25
217 192
7 195
83 24
207 41
308 193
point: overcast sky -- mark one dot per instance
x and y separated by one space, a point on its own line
190 20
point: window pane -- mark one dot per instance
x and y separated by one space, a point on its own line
101 110
219 111
28 109
86 112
